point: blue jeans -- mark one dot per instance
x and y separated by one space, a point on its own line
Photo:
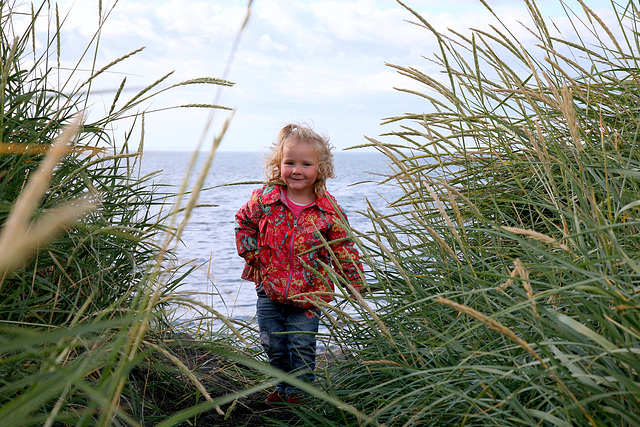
288 336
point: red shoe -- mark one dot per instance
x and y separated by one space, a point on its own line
296 398
276 398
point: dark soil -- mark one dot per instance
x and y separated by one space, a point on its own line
167 392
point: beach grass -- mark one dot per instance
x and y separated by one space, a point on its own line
507 278
88 273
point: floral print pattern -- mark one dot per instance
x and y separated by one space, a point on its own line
290 254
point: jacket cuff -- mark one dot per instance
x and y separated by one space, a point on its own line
250 257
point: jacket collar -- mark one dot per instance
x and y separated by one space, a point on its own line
271 193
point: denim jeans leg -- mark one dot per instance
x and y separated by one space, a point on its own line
271 322
302 328
288 337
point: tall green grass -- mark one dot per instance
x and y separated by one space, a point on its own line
508 276
82 300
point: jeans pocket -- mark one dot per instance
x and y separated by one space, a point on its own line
260 291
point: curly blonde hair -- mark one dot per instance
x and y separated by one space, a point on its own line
294 133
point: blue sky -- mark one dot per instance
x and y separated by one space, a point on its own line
321 62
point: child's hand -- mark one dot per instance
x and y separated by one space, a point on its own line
356 289
257 275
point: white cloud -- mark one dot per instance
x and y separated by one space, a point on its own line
265 43
361 20
278 14
321 59
384 81
210 20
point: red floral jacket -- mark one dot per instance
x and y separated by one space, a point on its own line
287 252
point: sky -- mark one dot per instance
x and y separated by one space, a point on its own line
321 62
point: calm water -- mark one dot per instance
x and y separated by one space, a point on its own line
208 241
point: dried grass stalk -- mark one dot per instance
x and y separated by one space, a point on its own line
493 324
543 238
520 271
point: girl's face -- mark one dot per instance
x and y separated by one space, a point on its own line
299 168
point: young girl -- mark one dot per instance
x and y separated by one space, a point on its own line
281 232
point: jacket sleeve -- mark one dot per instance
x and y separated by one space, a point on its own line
247 229
349 265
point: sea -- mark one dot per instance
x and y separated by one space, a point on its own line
208 240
